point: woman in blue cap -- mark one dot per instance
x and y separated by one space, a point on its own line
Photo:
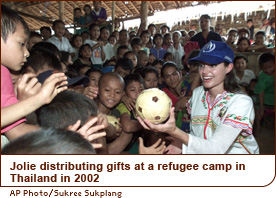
221 115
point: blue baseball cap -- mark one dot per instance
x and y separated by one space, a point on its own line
82 80
214 52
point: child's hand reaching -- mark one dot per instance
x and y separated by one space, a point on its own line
89 132
91 92
129 102
27 86
156 148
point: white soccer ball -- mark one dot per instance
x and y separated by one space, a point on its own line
153 105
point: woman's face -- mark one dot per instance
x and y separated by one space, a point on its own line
243 45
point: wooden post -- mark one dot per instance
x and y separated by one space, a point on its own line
144 14
113 15
61 10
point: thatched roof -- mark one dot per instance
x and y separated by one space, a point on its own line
42 13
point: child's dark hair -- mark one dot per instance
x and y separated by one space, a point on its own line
46 28
104 28
64 56
85 32
243 38
93 25
249 20
156 62
49 141
149 69
239 56
77 9
205 16
232 30
39 58
88 6
135 77
156 36
136 41
260 32
93 70
82 48
123 30
167 65
144 32
152 25
107 63
183 33
57 22
265 58
35 34
74 38
111 36
166 35
125 63
81 67
48 47
167 54
66 109
122 47
9 21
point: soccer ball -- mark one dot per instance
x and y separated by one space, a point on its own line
114 121
153 105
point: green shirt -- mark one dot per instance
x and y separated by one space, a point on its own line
266 84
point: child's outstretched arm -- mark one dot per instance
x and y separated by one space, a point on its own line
119 144
129 125
45 95
156 148
129 102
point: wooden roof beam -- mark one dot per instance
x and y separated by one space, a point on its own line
128 10
150 6
136 10
120 9
162 5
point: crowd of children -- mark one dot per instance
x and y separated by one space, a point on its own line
54 85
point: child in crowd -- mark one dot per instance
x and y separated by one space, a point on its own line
136 45
82 69
231 38
112 40
94 76
49 141
265 86
85 36
107 47
121 51
143 58
177 50
145 36
164 29
158 64
66 60
152 29
132 56
76 44
87 16
168 57
191 33
98 13
45 32
158 51
123 67
150 75
33 39
123 40
85 53
243 44
221 95
243 75
243 32
151 59
167 42
116 34
15 30
98 54
259 45
79 21
59 40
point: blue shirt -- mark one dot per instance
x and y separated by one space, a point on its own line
158 53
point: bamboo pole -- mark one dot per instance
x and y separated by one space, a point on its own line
113 15
61 10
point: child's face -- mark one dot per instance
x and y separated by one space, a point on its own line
123 73
87 10
191 34
158 41
151 80
59 29
259 39
168 58
151 58
152 30
145 38
240 65
171 77
268 68
121 53
204 23
164 30
77 13
159 67
95 32
97 5
243 45
136 48
112 41
133 58
105 34
94 79
85 36
168 40
232 37
134 89
14 51
45 34
86 52
123 37
176 38
117 35
143 60
110 92
78 42
33 41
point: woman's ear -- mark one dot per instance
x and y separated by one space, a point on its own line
229 67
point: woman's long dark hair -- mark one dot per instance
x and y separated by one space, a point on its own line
230 82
